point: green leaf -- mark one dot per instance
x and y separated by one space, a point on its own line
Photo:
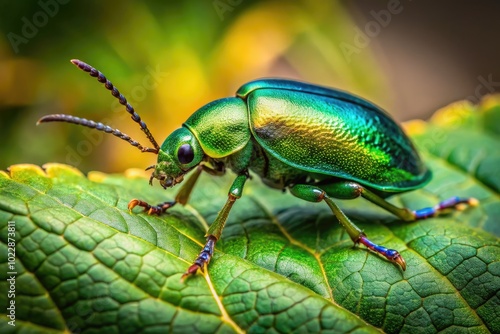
84 263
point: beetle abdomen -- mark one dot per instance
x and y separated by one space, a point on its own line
334 136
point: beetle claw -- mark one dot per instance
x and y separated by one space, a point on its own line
191 271
400 261
132 204
394 256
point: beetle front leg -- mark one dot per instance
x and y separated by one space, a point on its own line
315 194
215 231
181 197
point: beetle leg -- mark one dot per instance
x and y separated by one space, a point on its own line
350 189
315 194
215 231
181 197
457 203
151 209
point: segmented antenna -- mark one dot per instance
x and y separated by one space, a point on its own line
97 126
123 101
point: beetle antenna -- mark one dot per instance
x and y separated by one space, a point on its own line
97 126
123 101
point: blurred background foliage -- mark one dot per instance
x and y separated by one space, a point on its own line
171 57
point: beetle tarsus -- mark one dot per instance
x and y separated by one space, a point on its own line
203 258
390 254
458 203
151 209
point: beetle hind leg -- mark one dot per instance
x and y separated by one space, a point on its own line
457 203
315 194
351 190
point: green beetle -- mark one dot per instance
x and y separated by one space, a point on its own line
317 142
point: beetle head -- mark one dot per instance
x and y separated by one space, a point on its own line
178 154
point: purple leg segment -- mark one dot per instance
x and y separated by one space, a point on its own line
203 258
450 203
390 254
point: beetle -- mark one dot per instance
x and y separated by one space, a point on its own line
316 142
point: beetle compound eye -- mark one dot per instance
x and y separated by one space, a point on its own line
185 154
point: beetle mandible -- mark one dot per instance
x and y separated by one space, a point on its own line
317 142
